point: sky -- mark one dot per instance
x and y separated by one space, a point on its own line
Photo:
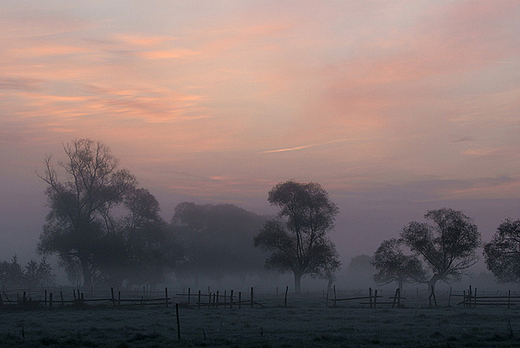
394 107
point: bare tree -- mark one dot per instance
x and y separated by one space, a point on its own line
502 253
299 243
448 247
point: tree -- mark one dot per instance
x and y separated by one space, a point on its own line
82 227
218 240
36 274
12 274
502 253
393 265
143 248
298 243
448 247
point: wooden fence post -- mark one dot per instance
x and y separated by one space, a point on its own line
252 302
189 294
61 296
119 298
335 298
239 300
286 291
231 300
217 294
449 298
375 299
370 296
166 296
178 321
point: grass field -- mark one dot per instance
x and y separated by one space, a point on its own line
306 322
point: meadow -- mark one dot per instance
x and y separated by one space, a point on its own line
305 322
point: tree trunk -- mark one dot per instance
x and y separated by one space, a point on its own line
297 282
434 280
87 274
400 284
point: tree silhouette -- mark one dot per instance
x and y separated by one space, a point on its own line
82 228
393 265
218 240
502 253
448 247
299 242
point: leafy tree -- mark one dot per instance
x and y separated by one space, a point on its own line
393 265
299 243
218 240
502 254
80 206
142 248
448 246
83 227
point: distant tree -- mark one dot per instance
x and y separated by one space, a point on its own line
217 240
13 275
448 246
361 264
36 274
393 265
299 243
502 253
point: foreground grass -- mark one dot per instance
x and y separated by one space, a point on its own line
306 323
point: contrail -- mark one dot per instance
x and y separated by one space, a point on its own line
304 146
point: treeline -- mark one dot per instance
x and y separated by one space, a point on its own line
105 229
33 274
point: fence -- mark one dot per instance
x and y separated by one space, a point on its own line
48 298
74 297
470 298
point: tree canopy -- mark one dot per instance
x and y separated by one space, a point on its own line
448 246
393 265
93 242
298 242
502 253
218 240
